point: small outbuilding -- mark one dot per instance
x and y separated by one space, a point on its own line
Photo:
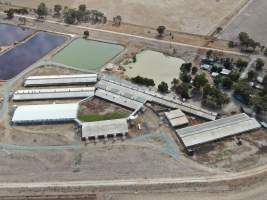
104 129
176 118
226 72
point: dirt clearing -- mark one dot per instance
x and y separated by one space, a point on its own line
230 156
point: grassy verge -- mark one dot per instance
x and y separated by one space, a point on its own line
96 117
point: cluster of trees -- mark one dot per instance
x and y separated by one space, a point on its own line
42 10
228 63
117 20
10 12
245 93
259 64
163 87
213 97
143 81
241 64
247 43
71 16
185 75
227 82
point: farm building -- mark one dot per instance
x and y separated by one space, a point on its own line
45 114
104 129
62 93
120 100
176 118
218 129
77 79
226 72
142 95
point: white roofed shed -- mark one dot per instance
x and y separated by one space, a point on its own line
218 129
41 114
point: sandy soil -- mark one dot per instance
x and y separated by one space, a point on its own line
229 156
98 106
186 16
251 20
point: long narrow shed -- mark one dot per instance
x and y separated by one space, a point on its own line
54 80
61 93
42 114
218 129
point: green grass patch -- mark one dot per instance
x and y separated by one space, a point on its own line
96 117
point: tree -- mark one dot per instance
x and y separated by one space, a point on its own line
82 7
264 83
241 64
70 16
243 38
185 77
143 81
265 52
235 75
183 90
214 68
42 10
219 29
242 90
200 81
57 9
227 83
251 75
161 30
259 103
259 64
194 70
231 44
22 20
186 67
217 81
10 13
228 63
175 83
213 97
163 87
86 34
117 20
209 53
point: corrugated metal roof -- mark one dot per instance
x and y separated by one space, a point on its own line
60 80
104 128
143 95
217 129
45 113
118 99
62 93
176 118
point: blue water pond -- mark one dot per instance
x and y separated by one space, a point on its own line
22 56
11 34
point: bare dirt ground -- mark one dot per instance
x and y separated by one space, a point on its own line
185 16
227 155
119 160
99 106
251 20
257 192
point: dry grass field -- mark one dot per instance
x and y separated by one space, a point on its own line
251 20
180 15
